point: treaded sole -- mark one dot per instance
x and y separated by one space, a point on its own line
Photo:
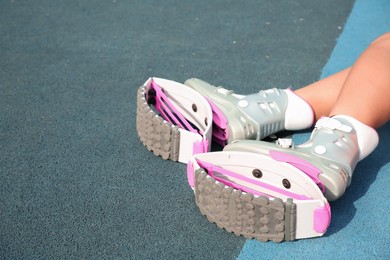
242 213
156 134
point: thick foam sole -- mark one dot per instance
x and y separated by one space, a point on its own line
243 214
156 134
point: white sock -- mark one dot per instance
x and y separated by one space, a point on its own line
299 114
367 136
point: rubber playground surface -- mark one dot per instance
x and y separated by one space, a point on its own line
75 180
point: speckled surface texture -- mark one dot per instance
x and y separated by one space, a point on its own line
76 181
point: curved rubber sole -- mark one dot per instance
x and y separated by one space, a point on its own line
156 134
243 214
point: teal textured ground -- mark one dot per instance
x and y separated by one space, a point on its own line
76 182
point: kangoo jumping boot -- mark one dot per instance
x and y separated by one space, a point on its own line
255 116
278 191
330 156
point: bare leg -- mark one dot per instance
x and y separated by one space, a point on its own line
362 91
323 94
366 91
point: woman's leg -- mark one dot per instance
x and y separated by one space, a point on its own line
322 95
365 94
362 91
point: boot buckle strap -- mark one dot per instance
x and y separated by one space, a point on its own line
333 124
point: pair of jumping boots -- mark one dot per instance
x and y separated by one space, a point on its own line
265 190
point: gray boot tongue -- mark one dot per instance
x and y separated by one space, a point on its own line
335 141
367 137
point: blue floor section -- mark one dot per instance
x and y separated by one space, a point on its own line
360 227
